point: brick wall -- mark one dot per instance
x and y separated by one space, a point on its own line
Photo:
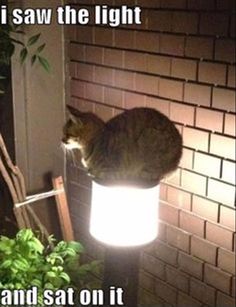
181 61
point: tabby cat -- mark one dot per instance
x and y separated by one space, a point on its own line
137 147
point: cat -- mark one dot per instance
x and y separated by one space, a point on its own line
137 147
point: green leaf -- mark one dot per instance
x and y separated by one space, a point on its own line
40 48
23 55
33 59
65 277
44 63
33 39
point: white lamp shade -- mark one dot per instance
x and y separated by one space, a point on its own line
124 216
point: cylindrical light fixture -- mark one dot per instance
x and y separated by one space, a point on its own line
124 216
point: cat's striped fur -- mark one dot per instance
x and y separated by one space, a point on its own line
137 147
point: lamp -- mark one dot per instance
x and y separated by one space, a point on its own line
123 215
124 218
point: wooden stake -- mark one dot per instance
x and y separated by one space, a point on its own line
63 210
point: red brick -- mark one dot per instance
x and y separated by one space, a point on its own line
192 223
202 292
223 99
221 192
132 100
173 4
223 146
162 230
82 105
149 3
208 119
104 112
73 69
214 24
166 253
231 76
135 61
228 171
153 265
225 4
187 158
199 47
159 104
113 57
70 33
185 22
94 92
182 113
232 25
172 44
178 198
201 5
168 214
103 36
233 286
225 50
84 34
171 89
146 298
230 124
185 69
76 52
93 54
187 301
217 278
85 71
177 279
178 238
113 97
207 165
197 94
226 261
147 41
205 208
219 235
227 217
193 182
213 73
103 75
196 139
80 193
225 300
190 265
77 88
146 84
147 281
159 20
157 64
120 2
124 79
124 39
173 178
204 250
166 292
163 191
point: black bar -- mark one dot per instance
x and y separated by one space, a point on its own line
121 270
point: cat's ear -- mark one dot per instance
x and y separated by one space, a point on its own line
73 115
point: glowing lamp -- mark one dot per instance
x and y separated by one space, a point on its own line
124 216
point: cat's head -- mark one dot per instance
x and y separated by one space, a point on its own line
80 128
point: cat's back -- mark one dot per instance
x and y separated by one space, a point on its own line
137 119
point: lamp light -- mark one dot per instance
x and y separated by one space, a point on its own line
124 216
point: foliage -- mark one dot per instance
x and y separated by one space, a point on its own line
10 37
25 262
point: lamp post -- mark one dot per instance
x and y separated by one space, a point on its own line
124 218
